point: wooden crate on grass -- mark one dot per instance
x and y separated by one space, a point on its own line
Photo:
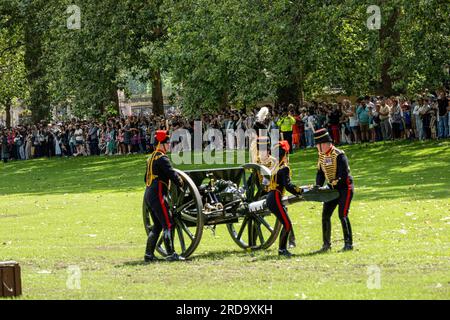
10 280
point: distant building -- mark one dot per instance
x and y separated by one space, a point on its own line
16 113
138 105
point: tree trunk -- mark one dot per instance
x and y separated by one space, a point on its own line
389 44
39 99
115 98
301 89
287 95
8 113
157 95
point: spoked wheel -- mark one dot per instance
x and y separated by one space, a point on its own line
254 231
185 205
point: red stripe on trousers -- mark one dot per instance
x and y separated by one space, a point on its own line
347 201
283 214
163 205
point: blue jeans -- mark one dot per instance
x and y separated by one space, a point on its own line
419 127
443 126
310 138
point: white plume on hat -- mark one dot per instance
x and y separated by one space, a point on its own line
262 114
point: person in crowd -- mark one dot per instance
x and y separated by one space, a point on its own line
418 119
396 115
433 125
350 111
425 115
444 119
127 136
310 121
334 116
4 146
79 140
93 139
285 123
296 130
407 120
386 129
362 113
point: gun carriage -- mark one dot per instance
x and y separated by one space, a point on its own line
231 196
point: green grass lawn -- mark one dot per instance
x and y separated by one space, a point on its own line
86 212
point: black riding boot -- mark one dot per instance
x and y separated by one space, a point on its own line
326 234
282 251
347 231
292 243
151 245
168 243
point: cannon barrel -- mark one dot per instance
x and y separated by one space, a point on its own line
308 194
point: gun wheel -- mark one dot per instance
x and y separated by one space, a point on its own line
185 205
254 231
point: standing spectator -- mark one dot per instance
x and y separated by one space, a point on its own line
58 143
350 111
334 117
345 130
286 123
443 120
362 113
418 119
19 145
4 146
296 131
397 120
93 139
127 136
407 116
386 129
426 118
120 142
301 127
28 146
433 125
376 122
72 142
309 121
79 140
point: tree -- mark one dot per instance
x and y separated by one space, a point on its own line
13 82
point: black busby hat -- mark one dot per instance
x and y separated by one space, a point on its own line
322 136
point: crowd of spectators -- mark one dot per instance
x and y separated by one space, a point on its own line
370 119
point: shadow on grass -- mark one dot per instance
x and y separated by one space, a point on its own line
212 256
386 170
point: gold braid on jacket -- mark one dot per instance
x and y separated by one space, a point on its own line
328 164
154 156
273 178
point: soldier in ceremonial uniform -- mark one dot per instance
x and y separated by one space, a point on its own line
279 182
261 155
157 178
333 168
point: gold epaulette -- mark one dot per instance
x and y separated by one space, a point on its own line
273 185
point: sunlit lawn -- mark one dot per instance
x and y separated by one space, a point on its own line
86 212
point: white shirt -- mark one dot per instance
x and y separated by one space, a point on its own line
79 134
416 110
